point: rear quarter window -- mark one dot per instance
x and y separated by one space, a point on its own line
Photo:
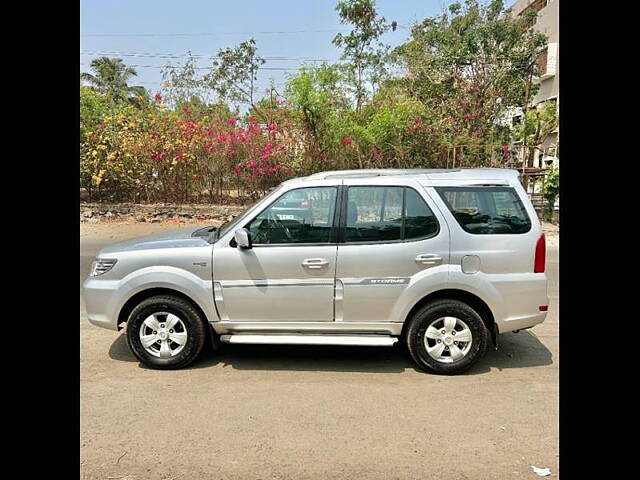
486 210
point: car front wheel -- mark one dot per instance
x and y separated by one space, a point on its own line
166 332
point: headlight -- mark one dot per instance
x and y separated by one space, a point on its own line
101 266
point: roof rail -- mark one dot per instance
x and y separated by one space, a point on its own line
377 172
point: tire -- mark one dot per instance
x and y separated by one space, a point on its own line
183 341
433 314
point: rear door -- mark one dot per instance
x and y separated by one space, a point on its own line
390 237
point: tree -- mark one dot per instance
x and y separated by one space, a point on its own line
110 78
235 71
314 94
362 48
550 192
182 85
471 65
536 124
93 108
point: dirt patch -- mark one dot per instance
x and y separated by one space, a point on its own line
156 213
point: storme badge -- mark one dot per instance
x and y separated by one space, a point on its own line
385 281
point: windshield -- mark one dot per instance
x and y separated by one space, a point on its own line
231 224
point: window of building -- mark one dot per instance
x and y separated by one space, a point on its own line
541 62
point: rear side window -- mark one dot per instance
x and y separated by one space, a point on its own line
419 220
374 214
387 214
486 210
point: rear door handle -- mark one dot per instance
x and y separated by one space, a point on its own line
428 259
315 263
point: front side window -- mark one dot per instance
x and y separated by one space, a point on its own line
304 215
387 214
486 210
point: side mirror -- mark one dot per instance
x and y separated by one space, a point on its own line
243 238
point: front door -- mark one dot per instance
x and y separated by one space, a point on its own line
391 239
288 275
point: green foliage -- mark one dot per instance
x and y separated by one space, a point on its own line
110 78
537 123
470 65
457 77
182 85
233 75
363 50
93 108
550 192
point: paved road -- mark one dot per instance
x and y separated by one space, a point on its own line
264 412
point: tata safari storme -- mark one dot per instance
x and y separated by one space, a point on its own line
443 260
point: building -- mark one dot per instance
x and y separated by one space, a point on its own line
547 22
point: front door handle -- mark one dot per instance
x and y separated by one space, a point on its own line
315 263
428 259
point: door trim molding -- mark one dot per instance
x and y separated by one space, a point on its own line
338 299
283 282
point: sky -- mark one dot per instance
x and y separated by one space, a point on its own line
139 31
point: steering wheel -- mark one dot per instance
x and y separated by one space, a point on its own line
272 217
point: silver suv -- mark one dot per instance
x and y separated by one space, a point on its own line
443 260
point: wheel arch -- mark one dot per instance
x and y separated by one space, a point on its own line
138 297
475 302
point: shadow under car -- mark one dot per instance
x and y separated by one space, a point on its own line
520 350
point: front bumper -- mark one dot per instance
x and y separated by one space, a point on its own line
100 300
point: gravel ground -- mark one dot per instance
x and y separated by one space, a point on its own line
265 412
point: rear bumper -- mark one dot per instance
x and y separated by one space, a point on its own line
519 323
99 297
520 297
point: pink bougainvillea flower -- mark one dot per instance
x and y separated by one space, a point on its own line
416 120
233 121
346 141
157 97
278 167
467 116
237 170
159 156
102 125
272 127
288 172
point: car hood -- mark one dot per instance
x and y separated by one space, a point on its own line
195 236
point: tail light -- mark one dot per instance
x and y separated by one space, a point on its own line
305 203
541 253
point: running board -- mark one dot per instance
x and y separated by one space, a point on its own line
372 341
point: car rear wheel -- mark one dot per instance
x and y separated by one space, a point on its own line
446 337
166 332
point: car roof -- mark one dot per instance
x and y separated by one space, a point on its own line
426 177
